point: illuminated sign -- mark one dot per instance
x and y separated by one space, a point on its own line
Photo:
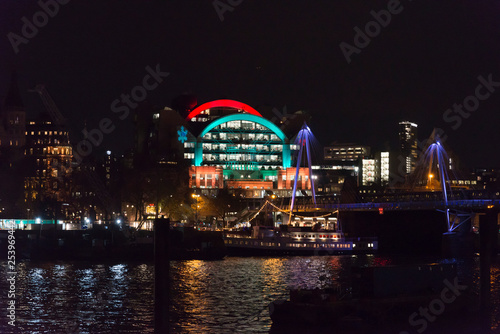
182 133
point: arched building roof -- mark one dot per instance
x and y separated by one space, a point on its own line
245 117
249 118
223 103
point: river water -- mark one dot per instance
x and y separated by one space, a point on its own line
228 296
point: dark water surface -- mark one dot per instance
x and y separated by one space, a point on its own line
225 296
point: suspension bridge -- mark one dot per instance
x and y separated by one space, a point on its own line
434 162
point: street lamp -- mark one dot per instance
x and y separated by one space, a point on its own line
430 180
196 196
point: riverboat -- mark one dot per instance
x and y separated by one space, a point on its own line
295 241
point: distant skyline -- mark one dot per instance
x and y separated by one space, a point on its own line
408 60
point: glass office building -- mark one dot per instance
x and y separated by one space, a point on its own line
237 148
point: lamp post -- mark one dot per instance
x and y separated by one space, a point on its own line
272 197
430 180
196 196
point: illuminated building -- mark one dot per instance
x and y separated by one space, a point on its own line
49 153
209 111
382 159
110 169
484 178
346 152
340 161
375 171
229 144
368 172
408 144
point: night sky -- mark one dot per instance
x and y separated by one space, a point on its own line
271 54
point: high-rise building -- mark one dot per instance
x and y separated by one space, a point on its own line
408 144
346 159
382 160
368 172
375 171
346 152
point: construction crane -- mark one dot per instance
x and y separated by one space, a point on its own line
49 104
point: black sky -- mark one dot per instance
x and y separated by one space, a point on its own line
270 54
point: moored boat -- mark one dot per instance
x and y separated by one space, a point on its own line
296 241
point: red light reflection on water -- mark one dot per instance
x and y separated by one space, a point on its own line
381 262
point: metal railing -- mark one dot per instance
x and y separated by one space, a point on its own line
412 205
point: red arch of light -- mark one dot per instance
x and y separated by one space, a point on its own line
223 103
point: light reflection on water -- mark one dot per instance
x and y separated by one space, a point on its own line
232 295
495 292
71 297
207 297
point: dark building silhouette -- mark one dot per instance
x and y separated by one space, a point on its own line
408 144
12 141
13 118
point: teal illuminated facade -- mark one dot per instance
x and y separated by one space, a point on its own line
242 142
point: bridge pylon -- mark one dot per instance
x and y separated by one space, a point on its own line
304 140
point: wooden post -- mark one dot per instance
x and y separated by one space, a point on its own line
162 274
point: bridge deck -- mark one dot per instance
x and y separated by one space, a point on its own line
414 205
